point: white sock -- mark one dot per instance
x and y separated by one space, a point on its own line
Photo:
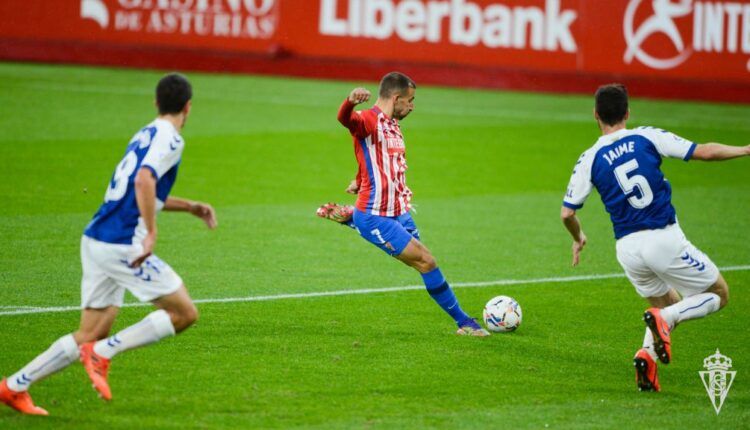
648 343
697 306
156 326
57 357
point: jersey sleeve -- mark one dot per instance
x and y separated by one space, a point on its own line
580 184
354 121
671 145
163 154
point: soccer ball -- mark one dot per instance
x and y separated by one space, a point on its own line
502 314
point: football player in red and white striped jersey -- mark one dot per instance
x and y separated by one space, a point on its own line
381 213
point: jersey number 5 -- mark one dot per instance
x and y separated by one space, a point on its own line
119 184
630 183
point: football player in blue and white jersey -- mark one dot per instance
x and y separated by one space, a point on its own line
117 255
679 281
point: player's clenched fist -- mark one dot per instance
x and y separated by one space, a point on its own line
359 95
353 187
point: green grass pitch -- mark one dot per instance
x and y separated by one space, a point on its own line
488 170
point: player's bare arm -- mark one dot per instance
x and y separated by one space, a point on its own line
573 225
201 210
719 152
145 195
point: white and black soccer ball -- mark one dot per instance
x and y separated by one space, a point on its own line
502 314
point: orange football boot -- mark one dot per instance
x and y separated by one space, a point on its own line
19 400
96 367
646 375
660 329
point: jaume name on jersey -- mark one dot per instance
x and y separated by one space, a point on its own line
615 153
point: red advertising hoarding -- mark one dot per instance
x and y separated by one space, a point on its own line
679 48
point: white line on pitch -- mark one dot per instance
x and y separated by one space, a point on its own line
24 310
19 307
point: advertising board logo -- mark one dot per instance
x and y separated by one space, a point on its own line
546 26
662 21
96 11
717 27
255 19
717 378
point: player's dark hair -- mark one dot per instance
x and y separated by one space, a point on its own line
172 93
395 82
612 103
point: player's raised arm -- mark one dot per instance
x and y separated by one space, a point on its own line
201 210
350 119
719 152
145 196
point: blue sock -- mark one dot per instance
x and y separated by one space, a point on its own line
441 292
350 224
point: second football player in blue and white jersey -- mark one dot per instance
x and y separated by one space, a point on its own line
679 281
117 255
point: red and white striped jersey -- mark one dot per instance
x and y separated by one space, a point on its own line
380 151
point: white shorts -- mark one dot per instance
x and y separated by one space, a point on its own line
106 275
657 260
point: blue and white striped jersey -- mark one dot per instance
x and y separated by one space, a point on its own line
624 166
157 147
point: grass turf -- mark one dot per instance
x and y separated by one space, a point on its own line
488 170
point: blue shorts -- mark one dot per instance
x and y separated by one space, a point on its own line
391 234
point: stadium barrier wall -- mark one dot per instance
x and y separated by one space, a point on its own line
690 49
